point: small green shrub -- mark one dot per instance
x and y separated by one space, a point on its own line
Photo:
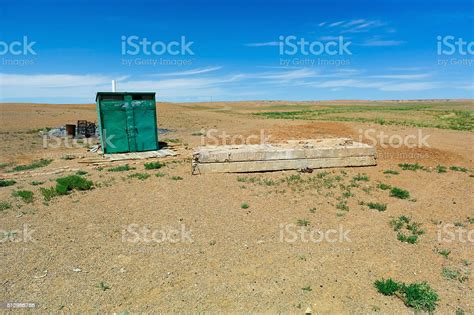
403 226
410 167
48 193
81 173
25 195
453 274
72 182
153 165
121 168
307 289
387 287
160 174
458 169
399 193
103 286
244 205
361 178
441 169
37 183
140 176
7 182
4 205
411 239
377 206
33 165
383 186
176 178
391 172
68 157
419 296
444 252
302 222
342 205
312 210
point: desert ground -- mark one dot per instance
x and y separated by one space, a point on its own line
84 253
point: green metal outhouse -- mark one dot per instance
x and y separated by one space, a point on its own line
127 121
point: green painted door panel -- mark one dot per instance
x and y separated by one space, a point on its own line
132 130
127 121
115 131
145 129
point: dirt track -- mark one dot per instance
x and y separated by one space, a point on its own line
236 261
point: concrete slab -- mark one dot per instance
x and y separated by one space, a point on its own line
321 153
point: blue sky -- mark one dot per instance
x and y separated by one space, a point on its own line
237 50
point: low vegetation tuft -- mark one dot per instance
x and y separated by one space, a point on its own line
72 182
399 193
407 230
153 165
25 195
140 176
121 168
7 182
410 167
4 205
419 296
458 169
33 165
377 206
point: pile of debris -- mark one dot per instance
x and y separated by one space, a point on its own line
83 129
292 155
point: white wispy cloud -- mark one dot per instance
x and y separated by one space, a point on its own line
336 23
354 22
83 86
329 37
189 86
365 26
286 76
264 44
404 68
379 85
403 76
410 86
382 43
189 72
56 80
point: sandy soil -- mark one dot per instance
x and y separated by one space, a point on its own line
234 259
